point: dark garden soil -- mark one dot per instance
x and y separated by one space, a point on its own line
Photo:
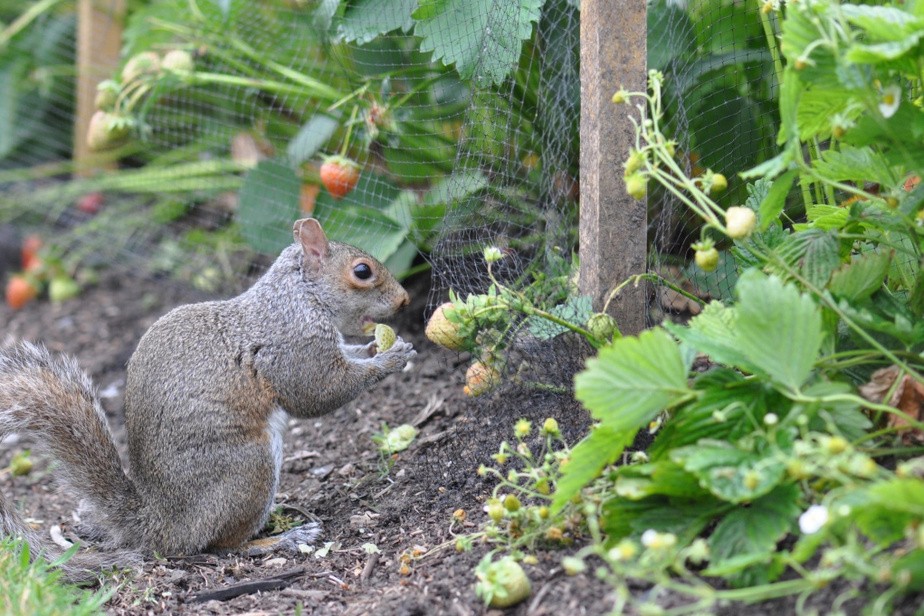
332 471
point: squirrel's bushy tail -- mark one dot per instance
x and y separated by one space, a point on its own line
49 399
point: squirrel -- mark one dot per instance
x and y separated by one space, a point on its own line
208 393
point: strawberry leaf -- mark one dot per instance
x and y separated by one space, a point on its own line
753 531
364 20
624 387
862 277
482 38
779 329
269 202
311 137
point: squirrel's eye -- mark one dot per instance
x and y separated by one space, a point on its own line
362 271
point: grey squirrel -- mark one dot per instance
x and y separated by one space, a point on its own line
208 392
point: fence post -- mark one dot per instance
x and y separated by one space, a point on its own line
99 39
613 225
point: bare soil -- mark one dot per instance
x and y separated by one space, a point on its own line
331 471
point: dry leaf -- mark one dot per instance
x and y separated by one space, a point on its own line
907 397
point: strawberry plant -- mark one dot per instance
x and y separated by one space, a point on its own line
793 460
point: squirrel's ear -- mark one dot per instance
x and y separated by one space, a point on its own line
310 235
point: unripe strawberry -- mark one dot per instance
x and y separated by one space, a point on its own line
620 97
740 221
144 63
62 288
107 92
573 565
550 427
635 162
502 583
602 326
718 184
636 185
442 331
106 130
384 337
178 60
480 378
496 511
21 463
707 259
511 503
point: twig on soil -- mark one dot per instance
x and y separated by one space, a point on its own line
434 438
371 561
534 604
276 582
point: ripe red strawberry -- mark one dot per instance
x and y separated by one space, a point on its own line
19 291
339 175
29 251
91 203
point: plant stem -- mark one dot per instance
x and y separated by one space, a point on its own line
650 277
345 146
24 19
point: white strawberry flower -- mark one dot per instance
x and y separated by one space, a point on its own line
889 100
814 518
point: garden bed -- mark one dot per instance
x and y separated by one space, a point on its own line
333 471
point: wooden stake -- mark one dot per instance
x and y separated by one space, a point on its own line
613 225
99 39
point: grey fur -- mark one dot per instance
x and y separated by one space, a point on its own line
203 397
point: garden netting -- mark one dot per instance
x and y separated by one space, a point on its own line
462 117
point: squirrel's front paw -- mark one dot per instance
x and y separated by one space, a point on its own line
397 357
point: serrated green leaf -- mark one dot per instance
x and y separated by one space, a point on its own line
670 34
818 106
576 310
268 205
311 138
685 518
624 387
821 258
910 569
364 20
714 332
779 328
862 277
324 14
753 530
480 37
825 218
775 200
729 473
719 283
633 379
883 23
900 494
588 458
855 165
724 411
664 478
876 53
771 168
456 187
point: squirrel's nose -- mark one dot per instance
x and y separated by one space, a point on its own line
403 300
